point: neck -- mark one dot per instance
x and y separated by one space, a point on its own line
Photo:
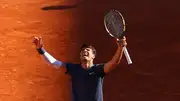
86 64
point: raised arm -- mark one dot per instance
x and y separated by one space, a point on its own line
117 57
48 58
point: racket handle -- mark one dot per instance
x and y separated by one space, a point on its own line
127 55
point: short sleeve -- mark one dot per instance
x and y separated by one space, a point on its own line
100 70
69 68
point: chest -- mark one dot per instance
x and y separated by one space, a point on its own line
83 75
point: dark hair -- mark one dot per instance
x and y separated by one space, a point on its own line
89 46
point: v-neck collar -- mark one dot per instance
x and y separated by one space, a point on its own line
87 69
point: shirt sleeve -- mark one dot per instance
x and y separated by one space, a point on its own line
100 70
50 59
69 68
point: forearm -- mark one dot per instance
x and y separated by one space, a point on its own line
49 59
117 56
114 61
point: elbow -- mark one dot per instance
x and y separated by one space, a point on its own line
113 65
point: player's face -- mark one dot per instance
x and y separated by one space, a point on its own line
87 54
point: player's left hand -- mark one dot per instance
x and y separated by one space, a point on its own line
122 42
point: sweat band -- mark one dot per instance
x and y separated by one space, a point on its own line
41 50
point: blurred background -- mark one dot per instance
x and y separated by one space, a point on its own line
64 25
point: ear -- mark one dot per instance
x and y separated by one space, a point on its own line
94 56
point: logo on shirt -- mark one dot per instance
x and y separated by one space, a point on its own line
91 73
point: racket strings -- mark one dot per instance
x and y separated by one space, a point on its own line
114 23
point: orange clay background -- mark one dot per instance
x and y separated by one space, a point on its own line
152 36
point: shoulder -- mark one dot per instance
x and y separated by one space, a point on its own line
99 69
69 64
71 67
99 66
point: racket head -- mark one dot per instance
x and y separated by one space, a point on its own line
114 23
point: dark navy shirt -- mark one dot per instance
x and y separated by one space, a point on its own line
86 83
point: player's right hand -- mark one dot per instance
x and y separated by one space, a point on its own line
38 42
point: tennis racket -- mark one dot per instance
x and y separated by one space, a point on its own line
115 26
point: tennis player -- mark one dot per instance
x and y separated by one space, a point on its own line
87 77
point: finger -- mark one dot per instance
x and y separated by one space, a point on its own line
124 38
40 40
117 40
35 39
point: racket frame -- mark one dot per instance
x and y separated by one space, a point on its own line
124 29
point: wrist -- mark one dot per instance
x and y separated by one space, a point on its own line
41 50
121 45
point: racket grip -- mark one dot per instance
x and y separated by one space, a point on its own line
127 55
